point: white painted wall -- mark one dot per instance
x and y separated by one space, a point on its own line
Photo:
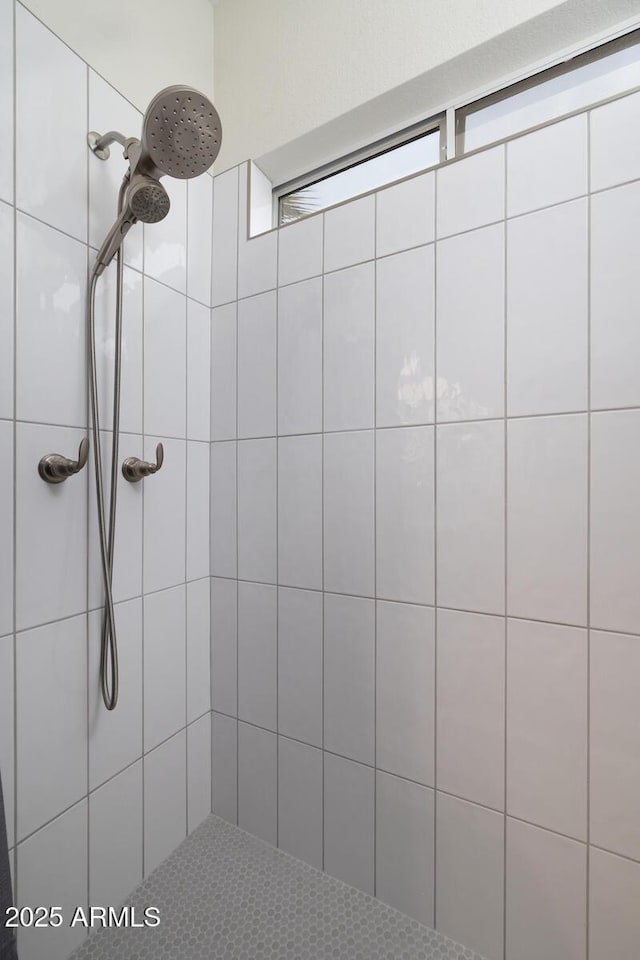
138 46
299 82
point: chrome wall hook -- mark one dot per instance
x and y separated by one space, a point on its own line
54 468
134 470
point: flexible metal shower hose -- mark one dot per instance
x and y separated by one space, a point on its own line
109 678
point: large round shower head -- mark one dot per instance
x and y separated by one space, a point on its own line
181 132
148 200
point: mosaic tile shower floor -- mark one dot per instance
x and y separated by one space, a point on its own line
225 895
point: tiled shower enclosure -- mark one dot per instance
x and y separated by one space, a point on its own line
406 649
426 539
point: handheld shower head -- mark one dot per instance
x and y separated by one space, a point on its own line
147 200
144 199
181 134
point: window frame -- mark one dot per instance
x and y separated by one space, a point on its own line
357 157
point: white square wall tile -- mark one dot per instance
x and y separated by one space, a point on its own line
615 521
165 785
165 517
7 734
471 325
7 572
165 242
257 366
547 726
6 99
300 357
199 228
471 705
300 511
470 192
198 771
198 371
6 299
470 516
547 519
615 288
349 822
547 166
404 846
405 214
223 372
470 875
131 376
349 233
257 534
614 742
405 287
110 111
349 332
115 736
224 645
615 123
127 567
257 654
405 690
51 682
614 893
51 83
258 782
546 894
547 311
165 361
50 303
198 497
224 547
52 869
300 665
300 801
300 250
349 513
164 665
115 837
224 767
198 649
48 513
224 254
349 677
405 515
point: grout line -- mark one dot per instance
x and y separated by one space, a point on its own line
434 905
323 593
588 545
375 550
334 593
186 513
14 442
239 178
142 569
409 426
505 544
86 479
277 535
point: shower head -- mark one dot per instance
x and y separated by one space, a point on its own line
147 200
143 199
181 134
181 137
